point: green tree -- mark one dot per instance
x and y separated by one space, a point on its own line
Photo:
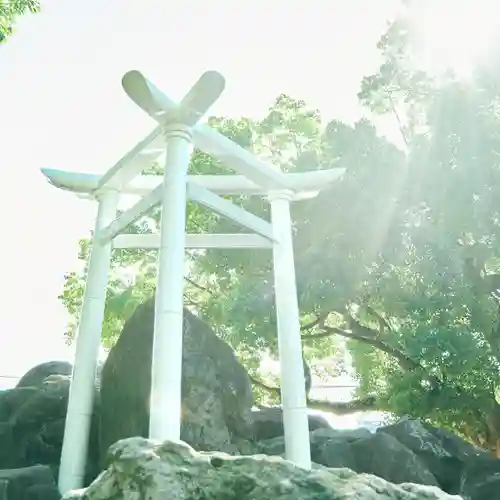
10 9
400 258
442 304
221 284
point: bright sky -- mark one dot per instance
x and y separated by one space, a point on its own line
62 106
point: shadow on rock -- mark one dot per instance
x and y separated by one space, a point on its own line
216 389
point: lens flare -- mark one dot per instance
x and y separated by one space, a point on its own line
455 35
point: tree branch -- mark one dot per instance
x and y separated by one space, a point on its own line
261 384
369 403
358 331
328 331
383 323
396 114
197 285
372 337
369 337
190 301
320 319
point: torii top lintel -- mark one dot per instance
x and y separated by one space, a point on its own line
257 178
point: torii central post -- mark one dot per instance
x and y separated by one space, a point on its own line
178 129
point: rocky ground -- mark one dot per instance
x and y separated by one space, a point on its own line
142 469
218 416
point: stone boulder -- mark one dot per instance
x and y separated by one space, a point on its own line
318 439
216 389
28 483
361 451
399 464
37 375
32 422
140 469
444 453
268 422
480 479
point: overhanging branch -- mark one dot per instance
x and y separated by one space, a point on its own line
263 385
372 337
319 321
197 285
369 403
404 361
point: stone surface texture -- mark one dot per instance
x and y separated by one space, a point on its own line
144 470
218 415
216 389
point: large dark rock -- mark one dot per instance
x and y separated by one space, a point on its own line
442 452
32 423
28 483
216 389
12 399
37 375
140 469
216 403
399 464
318 439
42 492
361 451
480 479
268 422
335 453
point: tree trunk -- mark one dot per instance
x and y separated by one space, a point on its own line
493 426
497 449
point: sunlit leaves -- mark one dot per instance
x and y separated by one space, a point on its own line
400 256
10 9
436 280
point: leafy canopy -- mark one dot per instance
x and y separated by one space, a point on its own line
397 262
10 9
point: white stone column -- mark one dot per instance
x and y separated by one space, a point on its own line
293 393
88 341
166 371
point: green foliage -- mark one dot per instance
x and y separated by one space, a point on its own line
438 284
400 257
10 9
232 289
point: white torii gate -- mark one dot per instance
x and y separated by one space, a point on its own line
178 129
